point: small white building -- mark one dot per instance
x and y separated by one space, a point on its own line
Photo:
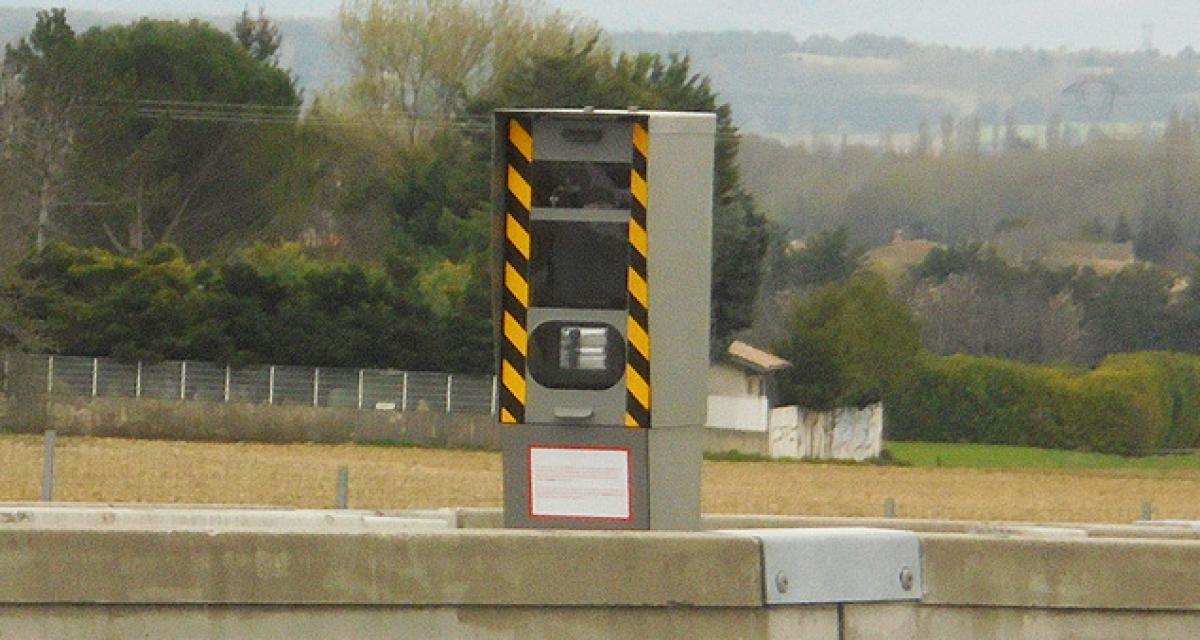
743 416
741 392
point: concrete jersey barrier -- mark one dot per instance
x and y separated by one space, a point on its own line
114 571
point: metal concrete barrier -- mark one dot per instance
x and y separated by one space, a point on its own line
116 571
838 565
167 519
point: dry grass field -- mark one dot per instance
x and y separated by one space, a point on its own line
304 475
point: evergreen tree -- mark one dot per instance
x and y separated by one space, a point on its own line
1012 136
924 144
849 344
1158 233
258 35
1121 231
37 144
970 135
175 178
947 134
1128 313
1054 131
826 258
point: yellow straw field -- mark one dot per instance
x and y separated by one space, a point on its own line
304 475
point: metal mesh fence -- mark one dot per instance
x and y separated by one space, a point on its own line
203 381
337 387
293 385
162 380
383 389
71 375
116 379
249 384
370 389
426 392
470 394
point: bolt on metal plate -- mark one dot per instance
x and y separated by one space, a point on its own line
781 582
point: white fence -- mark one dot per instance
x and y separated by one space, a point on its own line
383 389
739 413
843 434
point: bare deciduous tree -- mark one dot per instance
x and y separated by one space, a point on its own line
419 61
963 314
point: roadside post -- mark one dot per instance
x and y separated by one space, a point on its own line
603 235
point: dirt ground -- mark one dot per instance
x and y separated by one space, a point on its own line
304 475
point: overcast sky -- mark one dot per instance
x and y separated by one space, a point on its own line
1109 24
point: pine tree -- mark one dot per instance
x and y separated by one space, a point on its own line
947 134
259 35
1054 131
924 144
1121 231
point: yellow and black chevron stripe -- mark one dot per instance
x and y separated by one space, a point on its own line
637 372
515 305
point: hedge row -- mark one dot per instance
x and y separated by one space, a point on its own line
1132 404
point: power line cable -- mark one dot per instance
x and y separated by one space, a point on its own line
251 113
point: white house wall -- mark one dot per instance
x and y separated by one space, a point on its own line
725 380
738 413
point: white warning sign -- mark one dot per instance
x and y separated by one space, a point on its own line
579 482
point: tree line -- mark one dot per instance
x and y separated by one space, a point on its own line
151 157
170 195
967 347
1024 195
267 304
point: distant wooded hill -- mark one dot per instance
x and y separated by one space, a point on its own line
872 84
865 86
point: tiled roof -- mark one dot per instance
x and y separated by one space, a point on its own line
756 359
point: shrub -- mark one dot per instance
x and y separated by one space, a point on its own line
981 400
1131 404
849 344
